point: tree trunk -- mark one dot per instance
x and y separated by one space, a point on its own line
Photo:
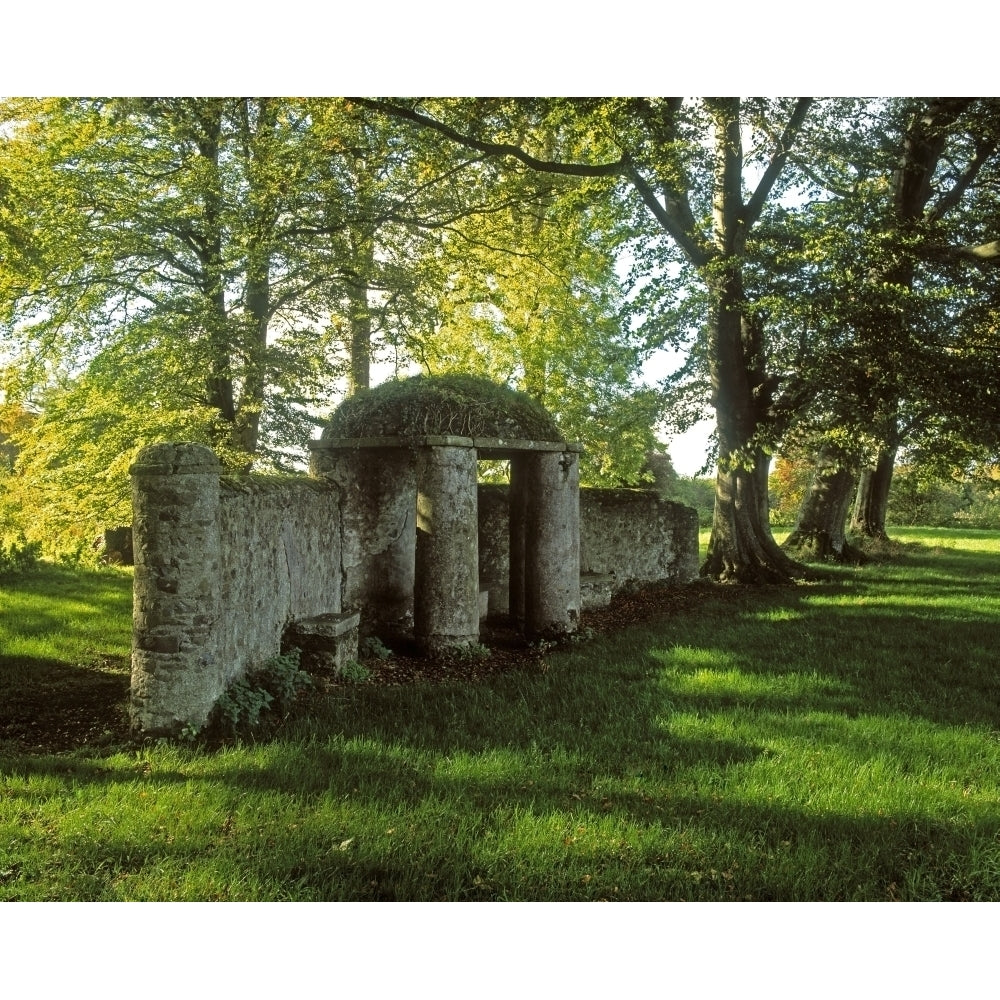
359 334
820 532
257 147
872 502
246 426
220 393
741 547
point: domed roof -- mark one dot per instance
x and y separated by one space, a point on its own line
437 405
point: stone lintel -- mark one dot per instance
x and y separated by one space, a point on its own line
328 626
357 444
489 447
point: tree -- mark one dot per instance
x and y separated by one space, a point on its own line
684 163
163 224
533 299
885 297
200 266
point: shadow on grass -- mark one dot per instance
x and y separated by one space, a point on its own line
626 769
50 705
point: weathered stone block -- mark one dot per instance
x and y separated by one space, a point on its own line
327 642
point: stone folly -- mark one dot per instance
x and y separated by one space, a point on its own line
410 542
391 534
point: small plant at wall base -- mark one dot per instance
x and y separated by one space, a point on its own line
260 696
354 672
471 652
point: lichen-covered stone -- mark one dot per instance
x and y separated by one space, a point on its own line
551 486
327 642
446 589
221 567
637 538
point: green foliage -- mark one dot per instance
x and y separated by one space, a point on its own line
697 493
466 652
269 690
920 497
787 486
18 556
536 301
354 672
461 405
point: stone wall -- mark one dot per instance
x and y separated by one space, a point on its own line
378 532
279 562
636 538
628 538
221 568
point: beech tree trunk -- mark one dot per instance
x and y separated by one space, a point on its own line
820 532
741 547
257 140
872 502
359 333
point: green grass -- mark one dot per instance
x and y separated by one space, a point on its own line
834 741
64 615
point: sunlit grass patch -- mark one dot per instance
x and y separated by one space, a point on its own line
831 741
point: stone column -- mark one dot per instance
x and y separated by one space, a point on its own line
494 546
446 598
176 673
518 526
552 544
378 531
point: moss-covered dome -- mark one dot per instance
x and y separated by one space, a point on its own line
425 405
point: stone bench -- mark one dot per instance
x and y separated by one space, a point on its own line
328 642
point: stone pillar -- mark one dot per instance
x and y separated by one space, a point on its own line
494 546
378 531
176 674
518 518
446 598
552 544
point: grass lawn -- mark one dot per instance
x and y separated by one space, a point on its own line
839 740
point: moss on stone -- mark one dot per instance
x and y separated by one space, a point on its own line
459 405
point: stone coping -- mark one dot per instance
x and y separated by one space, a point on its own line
330 625
491 447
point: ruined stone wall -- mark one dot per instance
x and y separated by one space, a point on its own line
637 538
221 568
279 562
628 538
224 565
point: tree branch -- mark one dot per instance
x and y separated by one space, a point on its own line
671 221
985 255
984 149
493 148
778 159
